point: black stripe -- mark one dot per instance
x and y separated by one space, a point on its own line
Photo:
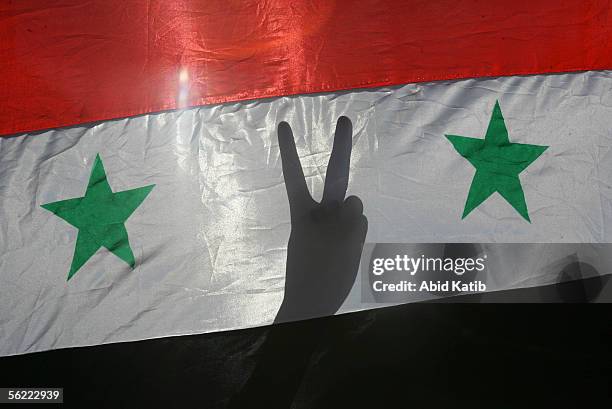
417 355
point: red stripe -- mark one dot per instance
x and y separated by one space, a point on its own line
65 62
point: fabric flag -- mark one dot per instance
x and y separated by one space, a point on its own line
142 192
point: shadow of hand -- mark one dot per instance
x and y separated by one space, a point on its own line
322 262
326 238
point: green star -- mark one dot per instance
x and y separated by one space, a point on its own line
100 216
498 163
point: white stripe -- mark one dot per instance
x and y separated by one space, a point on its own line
210 240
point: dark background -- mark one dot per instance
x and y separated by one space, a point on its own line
429 355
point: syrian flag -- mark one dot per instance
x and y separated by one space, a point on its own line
158 158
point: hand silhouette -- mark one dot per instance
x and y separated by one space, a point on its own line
322 261
326 238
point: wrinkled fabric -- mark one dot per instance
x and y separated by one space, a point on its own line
210 239
68 62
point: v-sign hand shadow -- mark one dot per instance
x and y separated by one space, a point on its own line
326 238
322 261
